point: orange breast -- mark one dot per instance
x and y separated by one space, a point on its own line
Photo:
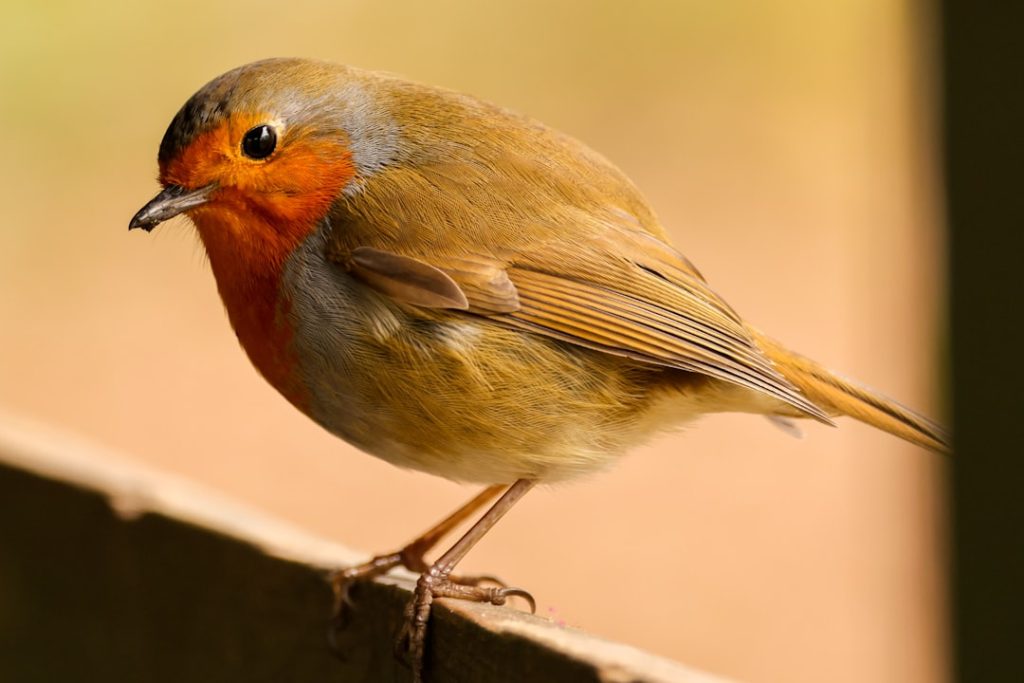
247 257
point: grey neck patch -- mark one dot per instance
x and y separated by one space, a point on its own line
373 134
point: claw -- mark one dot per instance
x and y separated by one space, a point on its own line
403 644
506 592
342 582
411 641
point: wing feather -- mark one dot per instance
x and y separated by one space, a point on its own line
542 234
614 323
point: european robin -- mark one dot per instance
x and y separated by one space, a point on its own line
459 289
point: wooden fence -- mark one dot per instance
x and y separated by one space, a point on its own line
110 571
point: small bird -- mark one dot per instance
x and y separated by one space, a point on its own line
459 289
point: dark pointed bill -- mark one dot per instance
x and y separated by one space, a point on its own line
169 203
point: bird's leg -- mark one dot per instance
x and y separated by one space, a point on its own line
436 582
410 557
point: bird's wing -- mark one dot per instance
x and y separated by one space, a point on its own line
450 238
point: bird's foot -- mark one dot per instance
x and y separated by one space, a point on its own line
410 557
431 585
437 580
343 580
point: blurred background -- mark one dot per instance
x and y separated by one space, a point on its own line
789 147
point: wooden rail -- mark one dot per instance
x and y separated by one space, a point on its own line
110 571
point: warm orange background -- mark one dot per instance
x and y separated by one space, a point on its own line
787 145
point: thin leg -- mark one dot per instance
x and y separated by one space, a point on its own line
429 539
436 581
410 557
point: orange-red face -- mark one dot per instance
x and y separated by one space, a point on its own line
255 185
286 176
256 158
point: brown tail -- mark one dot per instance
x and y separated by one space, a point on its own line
838 396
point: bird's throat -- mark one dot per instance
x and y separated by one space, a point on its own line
247 256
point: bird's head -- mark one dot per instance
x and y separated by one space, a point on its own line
257 156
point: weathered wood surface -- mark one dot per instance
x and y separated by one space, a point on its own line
113 572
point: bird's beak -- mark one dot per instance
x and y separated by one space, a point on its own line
173 200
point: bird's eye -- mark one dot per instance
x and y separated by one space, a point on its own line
259 142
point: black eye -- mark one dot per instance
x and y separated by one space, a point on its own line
259 142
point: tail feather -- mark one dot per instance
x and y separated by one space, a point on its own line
839 396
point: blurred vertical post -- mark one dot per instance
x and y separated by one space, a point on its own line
984 117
